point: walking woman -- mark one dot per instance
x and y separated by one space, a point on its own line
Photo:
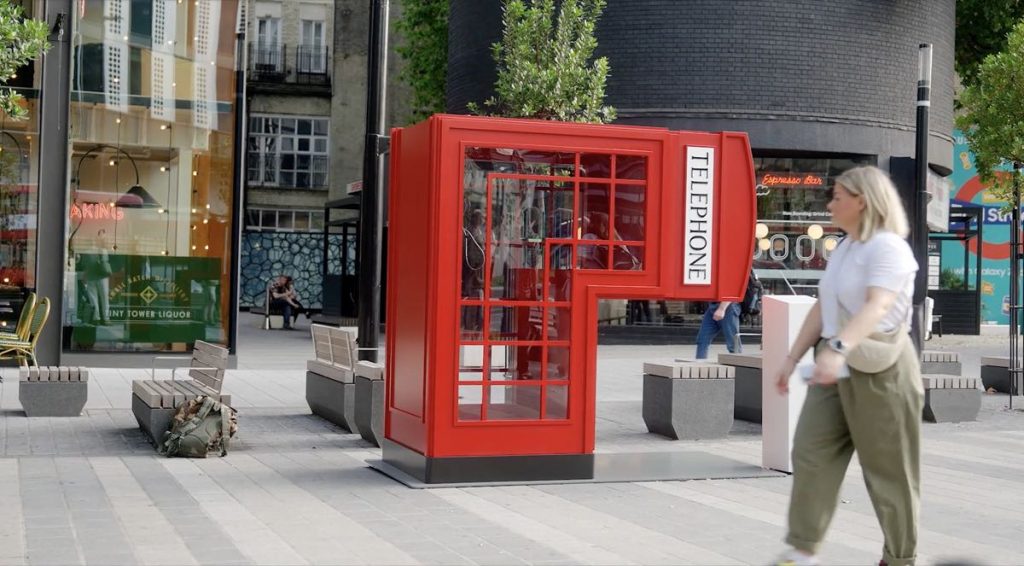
865 393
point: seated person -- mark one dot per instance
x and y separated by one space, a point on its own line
284 297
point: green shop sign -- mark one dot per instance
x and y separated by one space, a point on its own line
143 302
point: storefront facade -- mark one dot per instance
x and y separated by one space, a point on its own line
818 87
121 203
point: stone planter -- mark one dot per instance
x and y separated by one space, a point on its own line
50 391
689 401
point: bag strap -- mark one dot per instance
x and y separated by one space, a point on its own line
225 428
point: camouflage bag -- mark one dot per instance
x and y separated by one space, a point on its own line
201 425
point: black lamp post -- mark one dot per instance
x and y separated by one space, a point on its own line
919 214
371 208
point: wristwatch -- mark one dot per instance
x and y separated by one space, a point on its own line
838 347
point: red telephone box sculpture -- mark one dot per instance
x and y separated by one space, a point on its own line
504 234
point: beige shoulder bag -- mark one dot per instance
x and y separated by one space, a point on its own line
878 351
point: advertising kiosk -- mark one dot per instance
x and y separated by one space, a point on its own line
504 235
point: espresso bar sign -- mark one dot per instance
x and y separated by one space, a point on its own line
700 208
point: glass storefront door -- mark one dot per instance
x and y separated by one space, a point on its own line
151 167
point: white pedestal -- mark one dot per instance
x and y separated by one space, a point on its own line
782 317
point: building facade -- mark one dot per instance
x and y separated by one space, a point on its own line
120 192
819 86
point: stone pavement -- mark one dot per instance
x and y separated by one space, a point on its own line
296 490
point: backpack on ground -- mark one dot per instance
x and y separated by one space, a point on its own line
201 425
751 305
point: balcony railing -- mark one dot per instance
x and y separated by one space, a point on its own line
266 63
308 65
311 64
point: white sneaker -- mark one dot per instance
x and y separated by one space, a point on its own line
794 557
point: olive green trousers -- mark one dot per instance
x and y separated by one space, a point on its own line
879 416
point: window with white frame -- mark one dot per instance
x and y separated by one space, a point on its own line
312 56
268 56
286 151
278 220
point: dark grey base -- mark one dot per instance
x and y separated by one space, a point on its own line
53 398
997 378
951 405
539 470
748 394
369 409
332 400
153 422
688 409
486 469
941 368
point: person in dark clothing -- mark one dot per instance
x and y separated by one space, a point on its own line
284 297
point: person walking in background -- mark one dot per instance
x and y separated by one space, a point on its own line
721 317
865 393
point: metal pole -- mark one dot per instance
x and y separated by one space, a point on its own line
371 209
238 181
919 215
1014 370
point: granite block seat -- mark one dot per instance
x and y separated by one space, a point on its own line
51 391
330 377
369 401
951 399
747 405
941 363
689 400
154 401
995 375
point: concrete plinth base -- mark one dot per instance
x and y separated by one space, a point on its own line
53 398
369 409
332 400
688 409
951 405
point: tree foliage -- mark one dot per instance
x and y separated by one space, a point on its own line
992 115
981 29
424 29
21 40
544 63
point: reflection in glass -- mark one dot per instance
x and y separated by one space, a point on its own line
630 208
556 402
508 403
630 167
152 106
516 323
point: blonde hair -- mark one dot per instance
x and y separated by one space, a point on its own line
883 208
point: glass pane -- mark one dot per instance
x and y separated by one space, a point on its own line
630 211
594 202
559 323
518 402
558 203
628 258
288 126
287 144
473 243
630 167
316 221
269 219
303 144
284 220
472 323
556 402
595 165
471 356
558 363
320 146
305 127
515 323
515 363
302 221
320 127
591 256
560 274
470 402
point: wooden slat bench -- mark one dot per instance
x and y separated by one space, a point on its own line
155 400
51 391
950 399
330 377
937 362
689 400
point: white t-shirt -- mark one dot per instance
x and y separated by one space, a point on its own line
885 261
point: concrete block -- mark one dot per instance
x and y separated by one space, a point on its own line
332 400
688 409
369 409
53 398
951 405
